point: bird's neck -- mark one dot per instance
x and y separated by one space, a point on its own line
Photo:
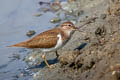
66 34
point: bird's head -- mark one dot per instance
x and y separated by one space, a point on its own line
69 27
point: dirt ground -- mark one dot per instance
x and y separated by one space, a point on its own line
93 53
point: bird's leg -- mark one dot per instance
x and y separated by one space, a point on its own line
43 56
57 54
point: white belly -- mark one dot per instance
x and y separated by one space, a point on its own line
58 45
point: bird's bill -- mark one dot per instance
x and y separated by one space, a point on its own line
77 29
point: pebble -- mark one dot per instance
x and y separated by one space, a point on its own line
116 75
22 74
55 20
37 14
103 16
30 33
45 10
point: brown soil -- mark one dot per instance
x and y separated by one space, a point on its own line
94 53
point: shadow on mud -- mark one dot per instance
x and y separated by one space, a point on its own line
81 46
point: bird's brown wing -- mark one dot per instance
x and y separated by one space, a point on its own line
46 39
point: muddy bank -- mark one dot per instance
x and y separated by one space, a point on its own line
92 54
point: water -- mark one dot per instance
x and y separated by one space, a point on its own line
16 18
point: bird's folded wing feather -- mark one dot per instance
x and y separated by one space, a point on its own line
46 39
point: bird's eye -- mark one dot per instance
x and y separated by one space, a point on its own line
69 25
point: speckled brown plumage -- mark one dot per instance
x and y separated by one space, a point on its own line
47 39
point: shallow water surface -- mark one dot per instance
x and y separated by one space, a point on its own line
16 18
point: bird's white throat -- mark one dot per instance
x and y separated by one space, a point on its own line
69 32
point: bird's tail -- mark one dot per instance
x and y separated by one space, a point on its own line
21 44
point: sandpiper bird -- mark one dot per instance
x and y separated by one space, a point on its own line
50 40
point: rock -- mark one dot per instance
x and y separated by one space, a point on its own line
22 74
68 57
55 7
103 16
37 14
112 68
101 31
71 8
36 75
41 3
45 9
100 34
115 69
30 33
55 20
116 75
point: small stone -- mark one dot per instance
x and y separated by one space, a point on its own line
55 7
55 20
45 9
30 58
100 31
113 73
87 38
92 52
30 33
112 68
22 74
116 75
103 16
37 14
102 40
113 39
35 75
